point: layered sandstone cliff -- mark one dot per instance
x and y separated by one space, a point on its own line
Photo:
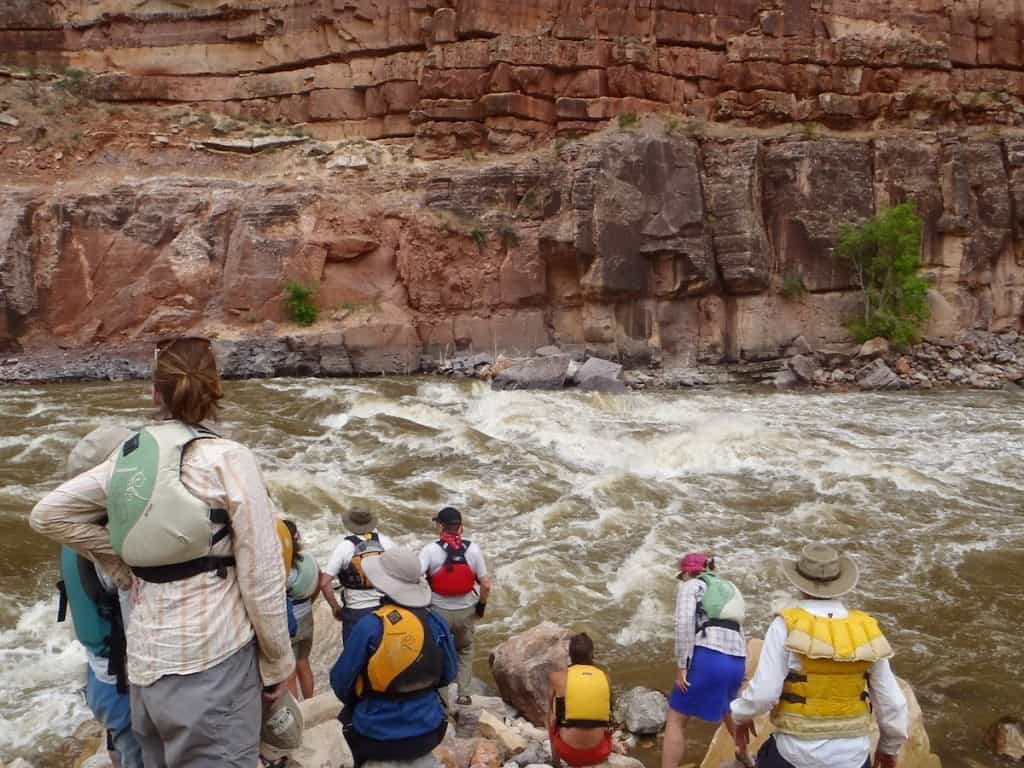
486 177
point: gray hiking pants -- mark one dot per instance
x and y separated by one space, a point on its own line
204 720
463 625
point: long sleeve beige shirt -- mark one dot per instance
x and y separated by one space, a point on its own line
184 627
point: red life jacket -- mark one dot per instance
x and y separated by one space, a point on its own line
455 577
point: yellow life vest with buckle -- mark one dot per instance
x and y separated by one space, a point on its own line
588 698
408 659
828 697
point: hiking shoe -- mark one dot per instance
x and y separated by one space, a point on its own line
464 701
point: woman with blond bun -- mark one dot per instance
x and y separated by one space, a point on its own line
187 512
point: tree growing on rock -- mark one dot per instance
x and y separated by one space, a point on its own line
886 255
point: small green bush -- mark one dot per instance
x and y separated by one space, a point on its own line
301 305
886 255
628 120
793 287
479 236
509 236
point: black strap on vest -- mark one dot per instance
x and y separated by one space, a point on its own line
724 623
563 723
163 574
62 601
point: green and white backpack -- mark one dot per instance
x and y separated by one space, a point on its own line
721 601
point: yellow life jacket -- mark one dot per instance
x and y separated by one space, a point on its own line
588 698
828 698
408 659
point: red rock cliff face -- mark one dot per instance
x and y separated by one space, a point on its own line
475 217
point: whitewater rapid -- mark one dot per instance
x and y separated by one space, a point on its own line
582 504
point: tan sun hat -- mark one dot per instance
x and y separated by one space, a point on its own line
821 571
359 520
282 723
94 448
397 573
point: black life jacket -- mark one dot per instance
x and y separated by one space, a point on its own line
366 545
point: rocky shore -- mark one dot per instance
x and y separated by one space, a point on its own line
974 359
496 731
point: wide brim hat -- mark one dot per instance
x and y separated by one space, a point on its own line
95 448
821 571
396 573
359 520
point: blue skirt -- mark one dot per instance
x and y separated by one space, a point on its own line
715 679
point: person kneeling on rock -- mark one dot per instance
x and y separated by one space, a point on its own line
580 710
392 666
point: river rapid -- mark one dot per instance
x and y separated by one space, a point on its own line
582 504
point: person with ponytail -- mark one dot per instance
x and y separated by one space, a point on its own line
189 526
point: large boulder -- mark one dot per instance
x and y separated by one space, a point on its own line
598 375
916 752
326 648
533 373
522 664
877 375
641 710
1006 738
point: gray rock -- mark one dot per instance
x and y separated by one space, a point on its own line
6 118
786 380
874 347
799 346
641 710
1005 738
534 373
803 366
427 761
550 350
348 161
537 752
956 374
334 359
877 375
955 354
597 375
985 369
250 146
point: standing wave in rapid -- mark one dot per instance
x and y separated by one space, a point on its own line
583 503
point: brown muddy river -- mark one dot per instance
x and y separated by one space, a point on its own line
582 503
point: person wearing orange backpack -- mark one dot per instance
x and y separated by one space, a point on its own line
459 586
358 596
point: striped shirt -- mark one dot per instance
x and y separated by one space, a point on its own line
184 627
718 639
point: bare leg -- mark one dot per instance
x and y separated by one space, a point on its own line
293 685
305 675
742 756
674 746
554 756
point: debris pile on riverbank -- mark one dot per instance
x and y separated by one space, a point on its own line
975 359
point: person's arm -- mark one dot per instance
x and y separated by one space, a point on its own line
890 707
258 565
425 559
475 558
72 514
339 561
764 689
555 681
686 628
362 643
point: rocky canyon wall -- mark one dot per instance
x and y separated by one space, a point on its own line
484 175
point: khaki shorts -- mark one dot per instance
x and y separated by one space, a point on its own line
302 643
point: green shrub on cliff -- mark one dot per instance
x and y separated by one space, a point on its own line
886 255
300 303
